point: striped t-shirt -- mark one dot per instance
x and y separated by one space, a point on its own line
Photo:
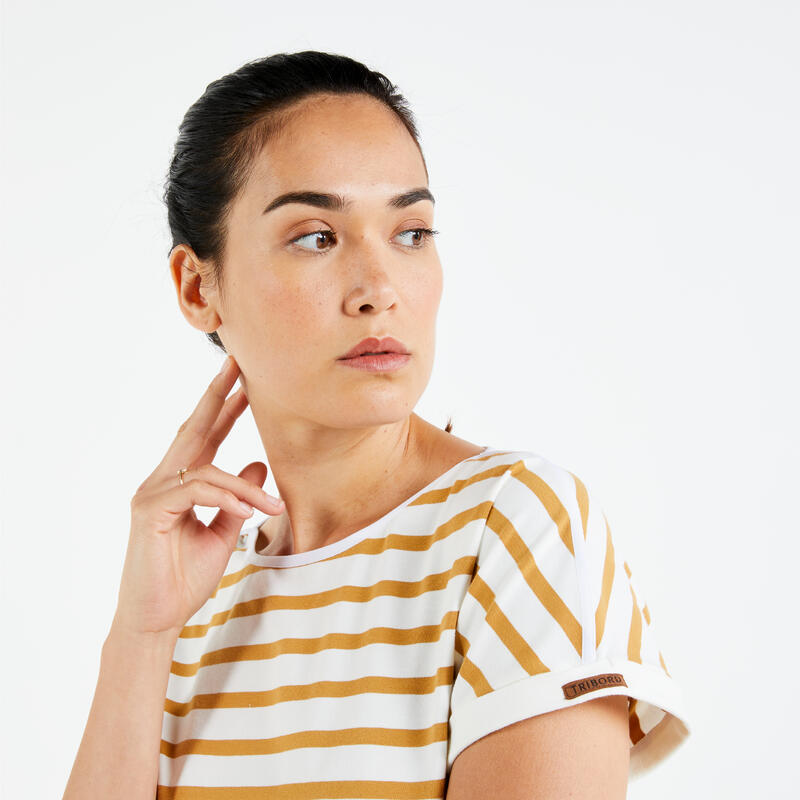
363 668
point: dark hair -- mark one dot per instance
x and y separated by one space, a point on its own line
227 127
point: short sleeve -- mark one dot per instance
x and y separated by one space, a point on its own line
553 617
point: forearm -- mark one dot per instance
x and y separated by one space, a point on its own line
119 752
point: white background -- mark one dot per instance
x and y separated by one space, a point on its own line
617 195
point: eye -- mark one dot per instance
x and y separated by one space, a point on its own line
423 234
326 233
419 238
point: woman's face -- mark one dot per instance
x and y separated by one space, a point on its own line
296 301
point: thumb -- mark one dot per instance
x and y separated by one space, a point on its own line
255 472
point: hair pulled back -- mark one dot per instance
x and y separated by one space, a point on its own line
226 128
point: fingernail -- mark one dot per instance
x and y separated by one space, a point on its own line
225 364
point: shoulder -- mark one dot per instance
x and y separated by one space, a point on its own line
527 468
552 617
526 487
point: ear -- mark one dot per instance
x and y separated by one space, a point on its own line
197 297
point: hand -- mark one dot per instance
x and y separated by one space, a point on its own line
174 562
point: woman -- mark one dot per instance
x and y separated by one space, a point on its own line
419 616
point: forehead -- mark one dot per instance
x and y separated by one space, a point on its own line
344 143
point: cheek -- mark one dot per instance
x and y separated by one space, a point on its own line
426 293
295 316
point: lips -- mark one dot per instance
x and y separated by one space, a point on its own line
375 345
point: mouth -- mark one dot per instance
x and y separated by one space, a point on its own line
377 361
372 346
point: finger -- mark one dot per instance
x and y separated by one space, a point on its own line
164 472
163 508
227 524
231 411
191 436
245 488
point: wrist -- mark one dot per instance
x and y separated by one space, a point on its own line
122 636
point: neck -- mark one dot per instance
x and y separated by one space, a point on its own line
332 492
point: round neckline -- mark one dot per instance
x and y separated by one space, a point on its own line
320 553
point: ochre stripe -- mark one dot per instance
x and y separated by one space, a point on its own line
371 684
461 643
234 577
440 495
635 635
663 665
505 631
338 737
627 569
605 592
469 671
399 542
418 543
349 594
549 499
635 731
475 678
403 790
583 502
646 614
493 455
339 641
524 559
392 541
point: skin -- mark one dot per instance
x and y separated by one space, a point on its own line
344 445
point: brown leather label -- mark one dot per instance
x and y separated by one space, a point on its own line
592 684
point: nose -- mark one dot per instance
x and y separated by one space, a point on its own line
371 288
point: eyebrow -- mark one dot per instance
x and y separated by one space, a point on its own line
335 202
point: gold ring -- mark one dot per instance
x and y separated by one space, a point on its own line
181 473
